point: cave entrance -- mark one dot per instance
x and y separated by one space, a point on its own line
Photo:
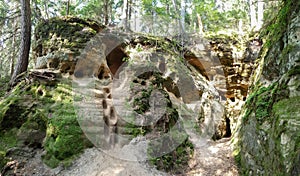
115 59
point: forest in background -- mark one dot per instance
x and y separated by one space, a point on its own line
155 17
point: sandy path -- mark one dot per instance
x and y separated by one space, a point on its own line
213 158
210 158
96 163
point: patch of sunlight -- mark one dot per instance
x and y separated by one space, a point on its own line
112 171
213 149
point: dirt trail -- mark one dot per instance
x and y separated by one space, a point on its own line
96 163
211 158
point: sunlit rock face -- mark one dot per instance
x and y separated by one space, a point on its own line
268 135
237 61
227 62
154 91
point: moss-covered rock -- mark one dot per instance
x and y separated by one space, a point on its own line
36 114
269 133
3 160
159 73
59 40
65 138
3 85
162 82
175 162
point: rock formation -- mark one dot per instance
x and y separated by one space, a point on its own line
268 139
123 85
110 87
227 62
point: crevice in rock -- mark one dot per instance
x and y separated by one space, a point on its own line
115 59
228 129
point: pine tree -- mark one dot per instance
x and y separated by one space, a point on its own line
22 62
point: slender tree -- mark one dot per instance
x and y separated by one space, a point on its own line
260 13
125 15
68 7
22 62
200 25
182 15
106 4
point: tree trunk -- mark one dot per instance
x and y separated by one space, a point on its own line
46 9
180 19
105 9
22 62
182 14
260 14
129 13
12 59
177 18
68 8
200 24
125 14
253 18
153 16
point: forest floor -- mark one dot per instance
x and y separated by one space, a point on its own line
211 158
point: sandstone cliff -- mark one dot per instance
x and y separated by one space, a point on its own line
269 135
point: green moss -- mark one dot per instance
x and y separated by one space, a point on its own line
288 113
8 139
50 160
61 33
294 71
141 103
141 90
3 159
174 162
134 130
288 108
271 123
278 26
36 120
260 102
3 86
286 51
42 110
237 158
11 115
157 43
65 138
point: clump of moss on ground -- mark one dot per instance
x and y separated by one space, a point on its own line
8 140
176 159
3 86
64 137
35 114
